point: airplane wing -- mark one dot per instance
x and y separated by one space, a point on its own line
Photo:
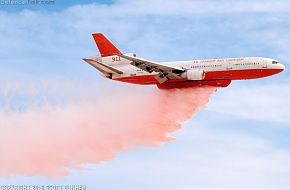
165 71
151 66
102 67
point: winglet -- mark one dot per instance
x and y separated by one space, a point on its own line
105 47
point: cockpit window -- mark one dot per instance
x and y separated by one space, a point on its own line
275 62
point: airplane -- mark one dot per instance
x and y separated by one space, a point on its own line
115 65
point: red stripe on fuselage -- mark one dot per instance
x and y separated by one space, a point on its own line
241 74
209 75
142 79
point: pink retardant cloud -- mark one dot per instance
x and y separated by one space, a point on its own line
46 140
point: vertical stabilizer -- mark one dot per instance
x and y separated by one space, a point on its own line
105 47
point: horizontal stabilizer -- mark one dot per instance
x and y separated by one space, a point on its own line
102 67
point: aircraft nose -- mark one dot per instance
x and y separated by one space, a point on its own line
282 67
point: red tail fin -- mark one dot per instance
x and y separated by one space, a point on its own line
105 47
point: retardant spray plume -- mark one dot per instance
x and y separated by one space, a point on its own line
46 140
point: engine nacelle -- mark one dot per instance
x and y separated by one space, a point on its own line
193 74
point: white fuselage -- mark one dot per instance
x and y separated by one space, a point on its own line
229 68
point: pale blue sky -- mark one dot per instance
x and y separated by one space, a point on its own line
241 141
